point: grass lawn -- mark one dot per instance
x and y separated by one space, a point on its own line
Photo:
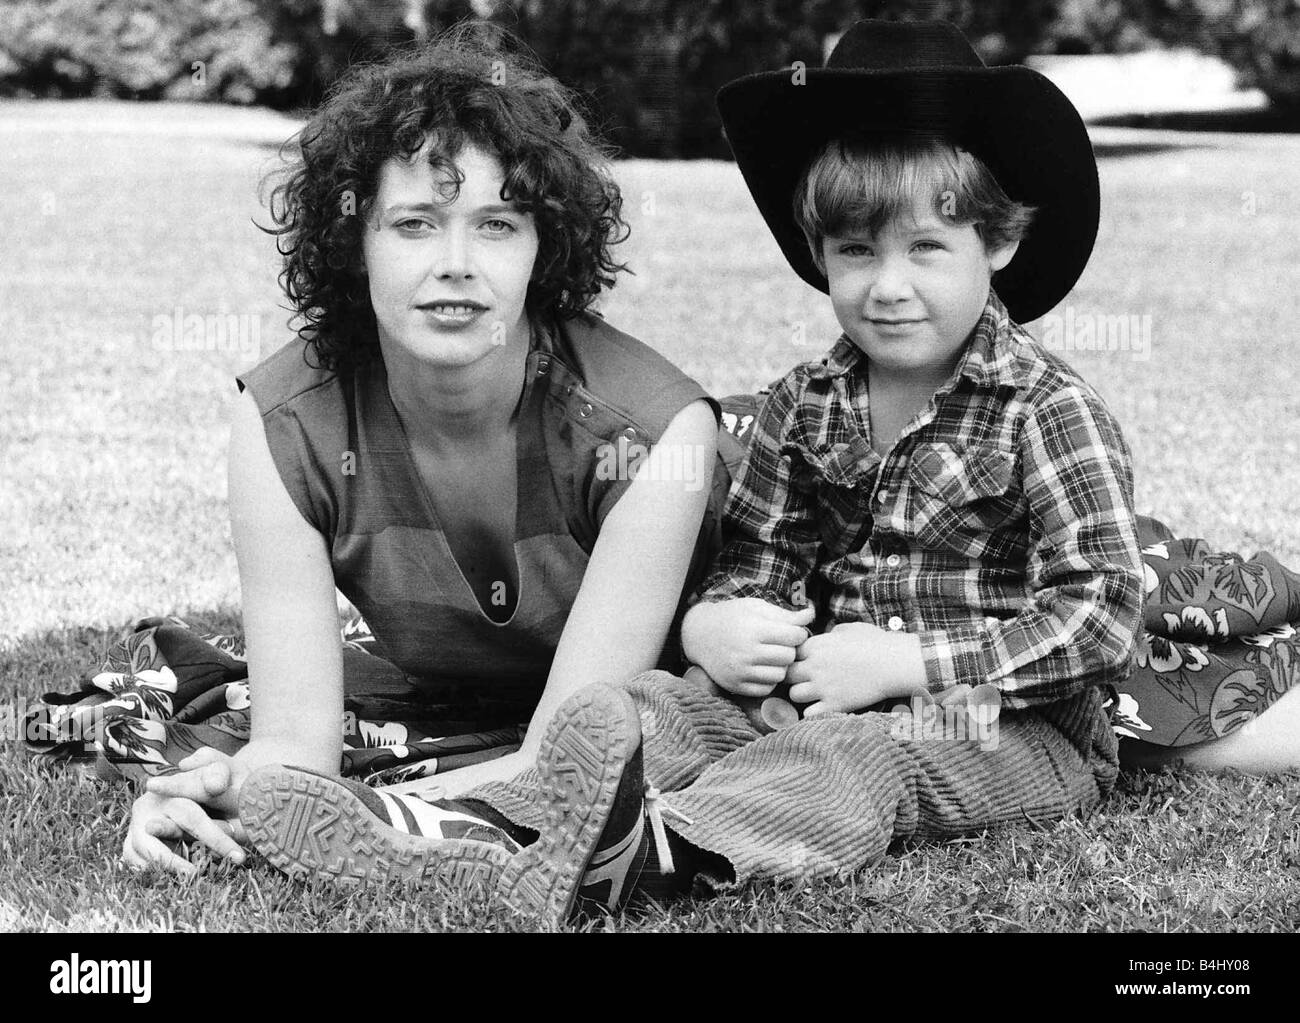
113 452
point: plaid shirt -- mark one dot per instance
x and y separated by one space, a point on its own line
999 528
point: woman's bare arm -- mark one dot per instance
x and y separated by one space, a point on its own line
295 665
634 578
291 628
295 657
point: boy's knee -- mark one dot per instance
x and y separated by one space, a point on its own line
654 679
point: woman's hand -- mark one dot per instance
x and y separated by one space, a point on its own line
208 777
158 822
745 645
175 807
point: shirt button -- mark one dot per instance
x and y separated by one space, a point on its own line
543 367
585 411
882 496
893 561
895 623
630 433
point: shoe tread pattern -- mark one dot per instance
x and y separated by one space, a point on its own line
309 827
588 743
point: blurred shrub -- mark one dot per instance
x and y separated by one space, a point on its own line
1096 26
146 49
649 69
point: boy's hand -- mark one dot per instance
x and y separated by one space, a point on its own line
744 645
854 666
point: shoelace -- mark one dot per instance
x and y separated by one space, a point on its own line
655 809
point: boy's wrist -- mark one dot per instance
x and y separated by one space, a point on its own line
903 653
691 648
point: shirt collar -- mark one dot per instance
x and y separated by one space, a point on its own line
987 361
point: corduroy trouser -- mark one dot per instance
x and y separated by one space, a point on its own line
829 794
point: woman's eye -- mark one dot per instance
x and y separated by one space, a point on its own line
854 249
499 226
411 224
928 247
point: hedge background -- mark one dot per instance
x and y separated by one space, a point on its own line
649 68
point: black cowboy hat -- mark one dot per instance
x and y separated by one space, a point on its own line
923 79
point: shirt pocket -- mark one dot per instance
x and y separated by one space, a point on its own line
968 500
837 478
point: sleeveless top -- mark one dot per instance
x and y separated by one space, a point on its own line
342 454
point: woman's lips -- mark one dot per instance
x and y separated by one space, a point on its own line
453 314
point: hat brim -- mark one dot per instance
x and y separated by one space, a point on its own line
1015 120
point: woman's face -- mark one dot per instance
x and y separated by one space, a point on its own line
448 279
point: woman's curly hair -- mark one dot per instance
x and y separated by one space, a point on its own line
462 87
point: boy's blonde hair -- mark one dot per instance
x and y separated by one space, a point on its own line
855 185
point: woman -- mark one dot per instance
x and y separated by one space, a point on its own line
441 442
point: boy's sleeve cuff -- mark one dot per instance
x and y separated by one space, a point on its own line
730 589
955 655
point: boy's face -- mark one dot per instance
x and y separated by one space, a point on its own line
910 296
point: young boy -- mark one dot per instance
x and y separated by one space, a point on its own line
954 502
938 503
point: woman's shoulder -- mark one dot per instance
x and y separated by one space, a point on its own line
290 377
625 373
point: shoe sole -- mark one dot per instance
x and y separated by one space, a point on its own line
310 827
588 744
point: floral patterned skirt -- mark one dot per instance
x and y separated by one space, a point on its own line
1219 645
165 690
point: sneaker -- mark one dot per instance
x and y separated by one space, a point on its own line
310 825
594 846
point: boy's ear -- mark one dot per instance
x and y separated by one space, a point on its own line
1000 257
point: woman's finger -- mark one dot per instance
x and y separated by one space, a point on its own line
233 827
151 851
204 829
200 785
803 692
130 858
160 827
